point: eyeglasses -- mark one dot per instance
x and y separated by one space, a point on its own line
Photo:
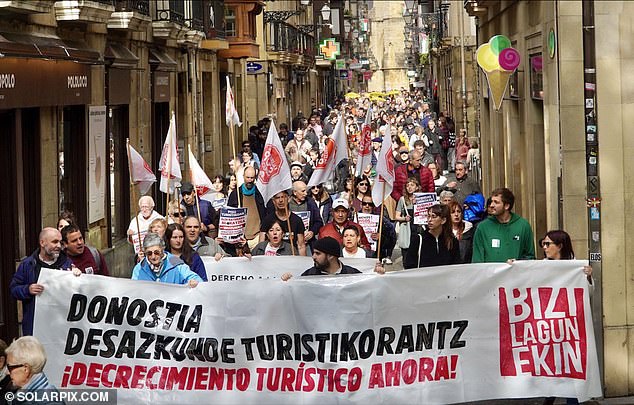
151 253
179 214
363 184
12 367
319 186
368 203
547 244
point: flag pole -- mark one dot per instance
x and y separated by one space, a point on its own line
169 166
378 247
194 183
234 158
136 212
290 232
351 172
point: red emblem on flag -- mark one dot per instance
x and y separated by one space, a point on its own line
330 151
271 163
365 146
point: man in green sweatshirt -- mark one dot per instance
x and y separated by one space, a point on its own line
504 235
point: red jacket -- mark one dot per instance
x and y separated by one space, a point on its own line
331 230
401 174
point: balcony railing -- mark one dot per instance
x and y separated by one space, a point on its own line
171 11
140 6
194 12
284 37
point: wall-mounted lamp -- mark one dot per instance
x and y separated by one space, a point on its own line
325 13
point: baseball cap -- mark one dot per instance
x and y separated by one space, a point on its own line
187 187
340 202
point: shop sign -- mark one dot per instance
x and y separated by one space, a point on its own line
22 81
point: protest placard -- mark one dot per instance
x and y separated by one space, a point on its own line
370 225
422 202
232 223
305 216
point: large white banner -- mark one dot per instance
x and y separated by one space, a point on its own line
431 336
265 267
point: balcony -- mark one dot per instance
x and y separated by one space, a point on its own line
289 44
213 21
25 7
84 11
133 15
194 27
169 19
241 29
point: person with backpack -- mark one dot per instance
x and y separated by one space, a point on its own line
86 258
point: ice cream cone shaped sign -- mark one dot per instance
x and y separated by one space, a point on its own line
499 61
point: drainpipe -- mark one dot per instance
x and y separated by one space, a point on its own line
463 90
592 165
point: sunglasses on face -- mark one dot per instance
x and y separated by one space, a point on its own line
547 244
178 214
151 253
363 184
12 367
368 203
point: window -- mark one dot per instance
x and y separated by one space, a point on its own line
537 77
514 92
230 22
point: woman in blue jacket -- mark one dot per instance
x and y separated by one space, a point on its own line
161 266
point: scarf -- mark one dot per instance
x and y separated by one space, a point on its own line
246 191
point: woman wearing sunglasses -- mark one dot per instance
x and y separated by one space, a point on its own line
161 266
323 200
176 213
25 363
558 246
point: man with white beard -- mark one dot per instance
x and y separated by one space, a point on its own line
24 286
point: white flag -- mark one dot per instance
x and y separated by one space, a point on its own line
335 151
274 175
231 114
364 158
384 170
140 171
170 165
197 175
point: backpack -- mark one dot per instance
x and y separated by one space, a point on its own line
473 208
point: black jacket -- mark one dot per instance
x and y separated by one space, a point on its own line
432 252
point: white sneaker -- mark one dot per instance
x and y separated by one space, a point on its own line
387 261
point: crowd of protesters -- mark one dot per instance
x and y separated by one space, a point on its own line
429 156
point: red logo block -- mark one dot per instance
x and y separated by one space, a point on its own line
543 332
271 164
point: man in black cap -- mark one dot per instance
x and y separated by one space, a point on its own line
191 204
326 254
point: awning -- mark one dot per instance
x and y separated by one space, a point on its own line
159 60
118 56
49 47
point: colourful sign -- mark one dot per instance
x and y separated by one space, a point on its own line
330 49
340 64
